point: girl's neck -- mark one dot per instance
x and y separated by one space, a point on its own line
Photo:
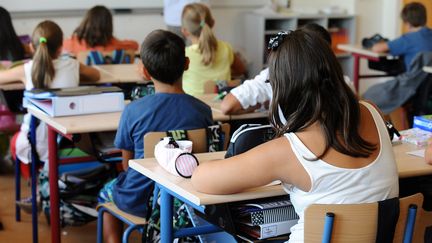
194 39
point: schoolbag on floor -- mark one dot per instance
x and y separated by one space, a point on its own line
78 192
249 136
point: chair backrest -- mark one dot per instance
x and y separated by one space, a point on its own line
358 222
197 136
126 56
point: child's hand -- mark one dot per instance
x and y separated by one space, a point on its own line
428 153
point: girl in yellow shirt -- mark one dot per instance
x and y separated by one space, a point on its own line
210 59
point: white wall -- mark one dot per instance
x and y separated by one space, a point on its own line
373 16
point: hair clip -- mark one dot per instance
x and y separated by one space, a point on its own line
202 23
42 40
277 40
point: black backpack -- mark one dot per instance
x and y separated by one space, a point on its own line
249 136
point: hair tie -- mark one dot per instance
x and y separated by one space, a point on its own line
42 40
276 41
202 23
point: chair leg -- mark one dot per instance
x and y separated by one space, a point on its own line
128 231
101 211
17 189
409 227
328 227
34 166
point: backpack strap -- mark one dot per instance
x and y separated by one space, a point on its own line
118 56
95 57
215 138
178 134
388 215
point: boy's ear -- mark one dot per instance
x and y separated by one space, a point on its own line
186 66
31 48
146 73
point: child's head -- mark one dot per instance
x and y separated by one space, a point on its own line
163 56
414 14
308 86
96 29
10 45
47 41
198 21
318 30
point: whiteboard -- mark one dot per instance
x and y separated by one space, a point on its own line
51 5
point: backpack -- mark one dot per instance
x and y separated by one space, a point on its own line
78 192
117 57
248 136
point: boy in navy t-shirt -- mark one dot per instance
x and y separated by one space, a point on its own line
418 39
164 61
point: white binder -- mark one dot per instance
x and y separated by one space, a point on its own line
78 105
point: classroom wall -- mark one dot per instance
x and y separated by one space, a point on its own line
373 16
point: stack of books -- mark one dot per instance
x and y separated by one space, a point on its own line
265 218
75 101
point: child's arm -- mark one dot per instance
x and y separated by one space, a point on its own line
126 156
257 167
13 75
88 73
231 105
380 47
237 67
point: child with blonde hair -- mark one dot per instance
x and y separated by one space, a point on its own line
46 70
210 58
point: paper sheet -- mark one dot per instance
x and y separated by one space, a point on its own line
418 153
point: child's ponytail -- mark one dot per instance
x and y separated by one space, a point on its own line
207 44
43 69
197 19
47 39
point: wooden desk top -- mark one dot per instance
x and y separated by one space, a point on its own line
360 50
427 69
12 86
150 168
408 166
214 104
101 122
119 73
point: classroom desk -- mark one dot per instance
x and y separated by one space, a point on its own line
427 69
215 104
173 186
358 52
68 126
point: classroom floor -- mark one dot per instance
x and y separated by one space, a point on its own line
17 232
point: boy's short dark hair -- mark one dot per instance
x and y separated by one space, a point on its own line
163 55
318 30
414 14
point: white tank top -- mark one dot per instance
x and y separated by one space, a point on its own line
66 76
334 185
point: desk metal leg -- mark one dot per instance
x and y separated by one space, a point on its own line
53 183
166 216
356 72
34 173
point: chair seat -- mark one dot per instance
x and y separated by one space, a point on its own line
132 219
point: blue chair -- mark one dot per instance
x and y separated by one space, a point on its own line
359 222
